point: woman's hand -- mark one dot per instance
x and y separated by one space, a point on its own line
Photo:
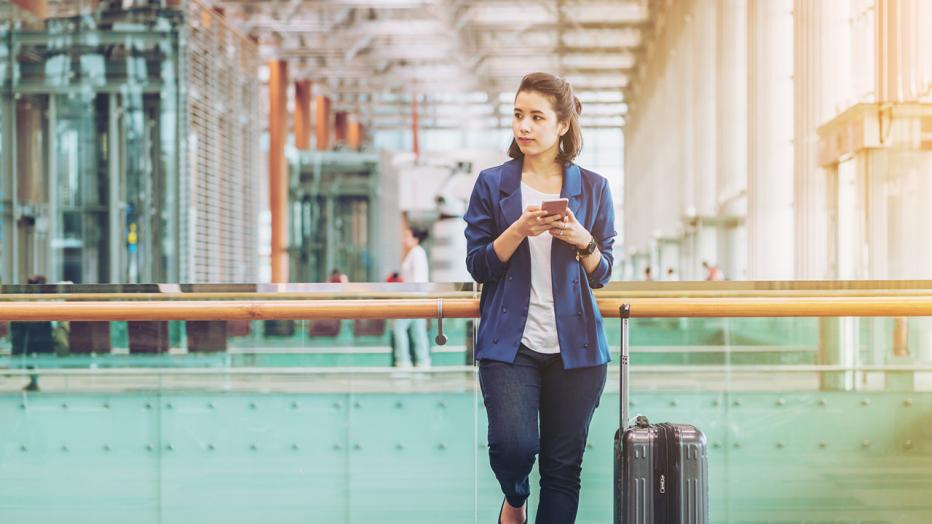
534 221
571 231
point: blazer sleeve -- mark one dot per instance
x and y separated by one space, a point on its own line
481 231
603 231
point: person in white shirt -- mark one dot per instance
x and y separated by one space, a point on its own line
414 268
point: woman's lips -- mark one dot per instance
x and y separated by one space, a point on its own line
525 140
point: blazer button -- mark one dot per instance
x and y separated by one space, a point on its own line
510 277
586 346
579 313
504 310
575 281
495 341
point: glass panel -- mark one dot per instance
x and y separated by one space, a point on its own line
92 93
82 246
6 142
297 423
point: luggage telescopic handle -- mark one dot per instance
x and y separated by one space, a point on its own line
625 314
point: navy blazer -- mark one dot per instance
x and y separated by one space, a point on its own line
506 286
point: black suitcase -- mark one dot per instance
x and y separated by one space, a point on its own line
661 470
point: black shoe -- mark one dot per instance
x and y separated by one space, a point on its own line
505 501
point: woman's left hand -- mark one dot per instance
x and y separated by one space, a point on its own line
571 231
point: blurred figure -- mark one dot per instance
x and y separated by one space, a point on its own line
327 327
648 276
671 275
394 277
32 338
338 277
414 268
712 272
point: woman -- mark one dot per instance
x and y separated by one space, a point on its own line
541 348
414 268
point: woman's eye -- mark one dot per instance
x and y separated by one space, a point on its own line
538 118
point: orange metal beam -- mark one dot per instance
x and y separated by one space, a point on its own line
278 179
39 8
354 134
302 114
341 127
322 117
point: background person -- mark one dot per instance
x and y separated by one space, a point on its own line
414 268
32 338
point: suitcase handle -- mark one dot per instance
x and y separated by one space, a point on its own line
625 313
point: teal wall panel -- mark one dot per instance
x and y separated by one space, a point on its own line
360 457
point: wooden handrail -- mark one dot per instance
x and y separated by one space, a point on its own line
251 296
883 306
237 310
405 295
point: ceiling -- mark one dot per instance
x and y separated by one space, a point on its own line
461 59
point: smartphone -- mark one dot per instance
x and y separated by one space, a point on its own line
555 207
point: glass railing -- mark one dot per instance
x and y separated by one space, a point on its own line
238 343
808 418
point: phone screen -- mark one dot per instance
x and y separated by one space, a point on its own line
554 207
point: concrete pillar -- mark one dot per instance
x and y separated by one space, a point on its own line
900 59
703 22
770 134
731 106
838 346
821 72
278 177
899 242
415 131
302 114
322 121
670 181
731 132
686 65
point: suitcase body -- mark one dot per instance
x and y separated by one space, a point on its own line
661 474
661 470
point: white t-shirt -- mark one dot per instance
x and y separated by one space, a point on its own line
540 331
414 268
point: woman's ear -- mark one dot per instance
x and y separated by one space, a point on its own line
564 127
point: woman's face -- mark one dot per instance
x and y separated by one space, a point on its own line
535 125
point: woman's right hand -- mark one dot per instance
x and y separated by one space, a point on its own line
534 221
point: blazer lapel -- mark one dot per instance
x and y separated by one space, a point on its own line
572 188
510 188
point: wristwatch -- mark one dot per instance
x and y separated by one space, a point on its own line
586 251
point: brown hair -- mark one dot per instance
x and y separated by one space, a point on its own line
565 105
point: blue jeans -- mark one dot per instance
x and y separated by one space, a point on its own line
418 330
536 387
